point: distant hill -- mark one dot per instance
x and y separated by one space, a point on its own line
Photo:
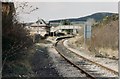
95 16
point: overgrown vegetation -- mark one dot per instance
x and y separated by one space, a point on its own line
105 33
104 41
14 40
105 37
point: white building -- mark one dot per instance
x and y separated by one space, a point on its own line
39 27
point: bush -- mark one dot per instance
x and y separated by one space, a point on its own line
14 35
105 34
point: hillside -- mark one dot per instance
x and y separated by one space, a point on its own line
104 41
95 16
105 34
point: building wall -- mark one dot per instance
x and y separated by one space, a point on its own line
38 30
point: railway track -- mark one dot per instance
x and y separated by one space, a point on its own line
92 69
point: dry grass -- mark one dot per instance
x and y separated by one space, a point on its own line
104 39
106 36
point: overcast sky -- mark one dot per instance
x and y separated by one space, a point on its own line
60 10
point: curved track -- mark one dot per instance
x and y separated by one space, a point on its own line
90 68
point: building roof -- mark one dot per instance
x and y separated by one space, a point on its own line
39 23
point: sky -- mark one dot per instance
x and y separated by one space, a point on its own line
61 10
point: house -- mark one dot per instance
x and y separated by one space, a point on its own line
39 27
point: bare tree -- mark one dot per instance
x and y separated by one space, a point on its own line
14 36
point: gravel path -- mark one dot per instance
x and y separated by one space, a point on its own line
42 64
48 63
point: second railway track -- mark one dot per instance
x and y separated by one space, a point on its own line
90 68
